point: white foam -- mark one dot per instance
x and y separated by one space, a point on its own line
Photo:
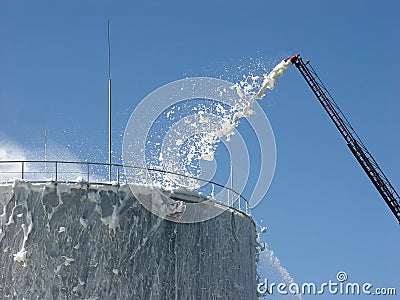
243 109
20 256
11 151
3 216
210 129
112 221
62 229
271 78
270 267
68 260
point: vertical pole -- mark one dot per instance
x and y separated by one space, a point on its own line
56 171
45 149
109 103
231 173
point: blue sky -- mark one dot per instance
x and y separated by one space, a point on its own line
322 212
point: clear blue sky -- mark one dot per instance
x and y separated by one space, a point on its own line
323 214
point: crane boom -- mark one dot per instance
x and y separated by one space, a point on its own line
356 146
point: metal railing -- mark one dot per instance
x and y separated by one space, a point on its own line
40 171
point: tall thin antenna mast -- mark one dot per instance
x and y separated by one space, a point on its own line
109 102
231 175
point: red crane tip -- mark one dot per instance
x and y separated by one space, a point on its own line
292 58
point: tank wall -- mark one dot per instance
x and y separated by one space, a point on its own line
79 241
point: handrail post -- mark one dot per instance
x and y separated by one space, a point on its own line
22 169
118 175
56 162
88 171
